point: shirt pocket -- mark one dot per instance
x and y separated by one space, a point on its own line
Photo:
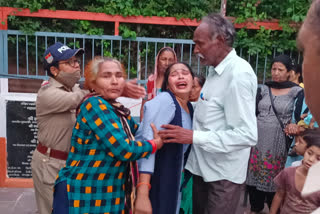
208 110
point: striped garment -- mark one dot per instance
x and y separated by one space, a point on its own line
100 153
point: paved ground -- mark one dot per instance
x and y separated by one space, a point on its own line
22 201
17 201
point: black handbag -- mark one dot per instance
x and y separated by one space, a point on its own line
289 139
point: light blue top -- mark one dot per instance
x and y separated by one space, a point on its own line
159 111
307 120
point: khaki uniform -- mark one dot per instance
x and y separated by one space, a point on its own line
55 111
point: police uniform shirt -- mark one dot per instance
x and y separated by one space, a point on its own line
55 110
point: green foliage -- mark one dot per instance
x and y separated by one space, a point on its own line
127 33
106 46
86 27
262 41
175 8
290 10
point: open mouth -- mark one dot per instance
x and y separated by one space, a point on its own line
182 85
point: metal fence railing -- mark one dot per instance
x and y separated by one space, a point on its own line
21 53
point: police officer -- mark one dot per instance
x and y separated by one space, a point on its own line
56 104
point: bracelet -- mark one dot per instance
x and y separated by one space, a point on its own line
154 146
144 183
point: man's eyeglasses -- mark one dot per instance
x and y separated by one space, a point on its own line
72 62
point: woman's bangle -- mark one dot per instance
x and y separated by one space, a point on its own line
154 146
144 183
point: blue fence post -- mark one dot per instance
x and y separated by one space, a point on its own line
3 52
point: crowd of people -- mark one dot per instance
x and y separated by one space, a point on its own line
200 140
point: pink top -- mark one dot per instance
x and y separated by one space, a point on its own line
293 201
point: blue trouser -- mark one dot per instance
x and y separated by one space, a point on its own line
60 199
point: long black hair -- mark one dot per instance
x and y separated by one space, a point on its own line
165 82
298 70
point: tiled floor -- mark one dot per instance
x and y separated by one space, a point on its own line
22 201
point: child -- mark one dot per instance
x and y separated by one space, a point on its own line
300 147
290 181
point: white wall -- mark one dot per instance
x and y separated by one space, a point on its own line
4 97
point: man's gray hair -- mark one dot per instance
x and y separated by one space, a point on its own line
219 25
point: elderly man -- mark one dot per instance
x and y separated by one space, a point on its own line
224 126
56 105
309 43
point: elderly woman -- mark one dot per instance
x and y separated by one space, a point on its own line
275 101
166 56
99 167
161 173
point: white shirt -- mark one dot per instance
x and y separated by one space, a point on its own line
225 126
297 163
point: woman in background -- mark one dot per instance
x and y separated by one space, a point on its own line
268 157
198 83
166 56
296 75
